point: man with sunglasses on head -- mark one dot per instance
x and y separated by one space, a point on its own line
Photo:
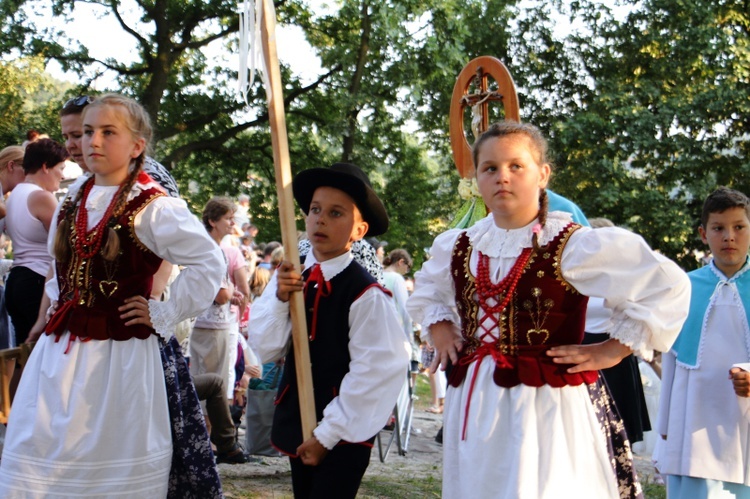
71 123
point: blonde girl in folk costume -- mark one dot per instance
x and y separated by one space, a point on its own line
504 303
105 407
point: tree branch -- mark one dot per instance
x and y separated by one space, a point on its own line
205 41
212 143
145 47
356 83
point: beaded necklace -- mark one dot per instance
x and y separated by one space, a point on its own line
504 288
88 243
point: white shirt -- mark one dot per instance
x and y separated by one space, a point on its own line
26 231
643 290
707 436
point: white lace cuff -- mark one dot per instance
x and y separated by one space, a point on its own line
325 436
163 318
635 335
433 315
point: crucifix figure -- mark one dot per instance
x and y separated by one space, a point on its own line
477 72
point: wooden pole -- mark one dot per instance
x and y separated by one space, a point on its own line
286 215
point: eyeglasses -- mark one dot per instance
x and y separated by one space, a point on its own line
81 101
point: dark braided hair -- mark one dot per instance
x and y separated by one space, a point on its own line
539 150
542 216
138 123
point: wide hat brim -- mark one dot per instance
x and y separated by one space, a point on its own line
349 179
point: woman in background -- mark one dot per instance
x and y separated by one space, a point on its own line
29 213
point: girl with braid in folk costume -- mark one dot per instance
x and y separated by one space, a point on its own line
105 407
504 302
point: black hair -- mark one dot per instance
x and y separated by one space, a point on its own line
723 199
43 152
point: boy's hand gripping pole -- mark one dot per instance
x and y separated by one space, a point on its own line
286 215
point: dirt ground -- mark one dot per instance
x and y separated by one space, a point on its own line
416 474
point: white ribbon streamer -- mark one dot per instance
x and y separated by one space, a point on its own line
251 47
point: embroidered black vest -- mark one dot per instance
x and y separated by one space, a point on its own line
329 355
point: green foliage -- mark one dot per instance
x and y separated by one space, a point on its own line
409 194
665 123
28 97
654 491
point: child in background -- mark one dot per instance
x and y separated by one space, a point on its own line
705 451
106 406
504 302
358 351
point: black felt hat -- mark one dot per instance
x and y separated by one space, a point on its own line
349 179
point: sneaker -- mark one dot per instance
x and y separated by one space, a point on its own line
234 456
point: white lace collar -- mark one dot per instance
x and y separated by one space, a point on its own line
100 196
495 242
724 278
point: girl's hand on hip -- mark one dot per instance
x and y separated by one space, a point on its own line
448 342
135 311
592 357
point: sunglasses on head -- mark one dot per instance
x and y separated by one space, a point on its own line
80 101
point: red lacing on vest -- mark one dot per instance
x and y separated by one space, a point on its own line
493 306
59 321
501 361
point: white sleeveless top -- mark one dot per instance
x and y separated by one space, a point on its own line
27 232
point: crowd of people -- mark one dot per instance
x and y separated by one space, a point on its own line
529 325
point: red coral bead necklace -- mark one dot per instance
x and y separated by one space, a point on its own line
89 242
504 288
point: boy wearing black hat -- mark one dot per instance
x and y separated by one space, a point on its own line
358 353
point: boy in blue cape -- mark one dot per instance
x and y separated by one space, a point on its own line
705 449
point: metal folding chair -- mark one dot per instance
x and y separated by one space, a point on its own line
402 419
